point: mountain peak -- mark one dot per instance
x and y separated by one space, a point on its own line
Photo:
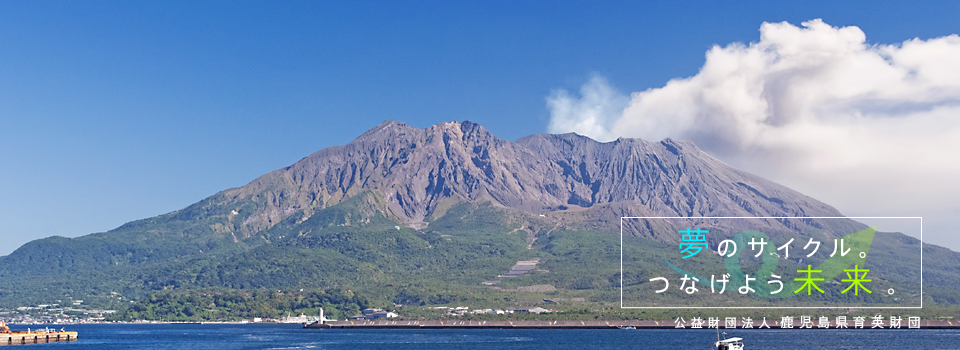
339 209
415 169
388 127
466 130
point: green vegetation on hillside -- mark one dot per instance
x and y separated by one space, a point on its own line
233 305
357 245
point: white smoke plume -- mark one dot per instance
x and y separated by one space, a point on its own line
599 106
871 129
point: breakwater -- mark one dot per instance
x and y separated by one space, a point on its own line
36 337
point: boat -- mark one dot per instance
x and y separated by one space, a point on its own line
305 320
302 319
730 344
46 335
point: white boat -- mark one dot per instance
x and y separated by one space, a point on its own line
305 320
302 319
730 344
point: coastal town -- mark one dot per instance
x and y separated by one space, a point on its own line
76 312
71 312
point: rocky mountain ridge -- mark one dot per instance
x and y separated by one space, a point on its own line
431 209
415 169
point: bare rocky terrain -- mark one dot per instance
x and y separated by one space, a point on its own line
405 211
417 169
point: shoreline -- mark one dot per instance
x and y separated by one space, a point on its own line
620 324
592 324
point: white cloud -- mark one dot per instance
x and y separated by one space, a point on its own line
871 129
591 114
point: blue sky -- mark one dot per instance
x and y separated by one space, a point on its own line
116 111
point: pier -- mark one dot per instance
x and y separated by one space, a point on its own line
36 337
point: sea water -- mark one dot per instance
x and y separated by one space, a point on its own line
259 336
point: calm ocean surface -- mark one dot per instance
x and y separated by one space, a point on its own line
224 337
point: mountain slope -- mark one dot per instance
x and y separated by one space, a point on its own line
401 203
415 169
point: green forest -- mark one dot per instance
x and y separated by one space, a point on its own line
233 305
341 263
